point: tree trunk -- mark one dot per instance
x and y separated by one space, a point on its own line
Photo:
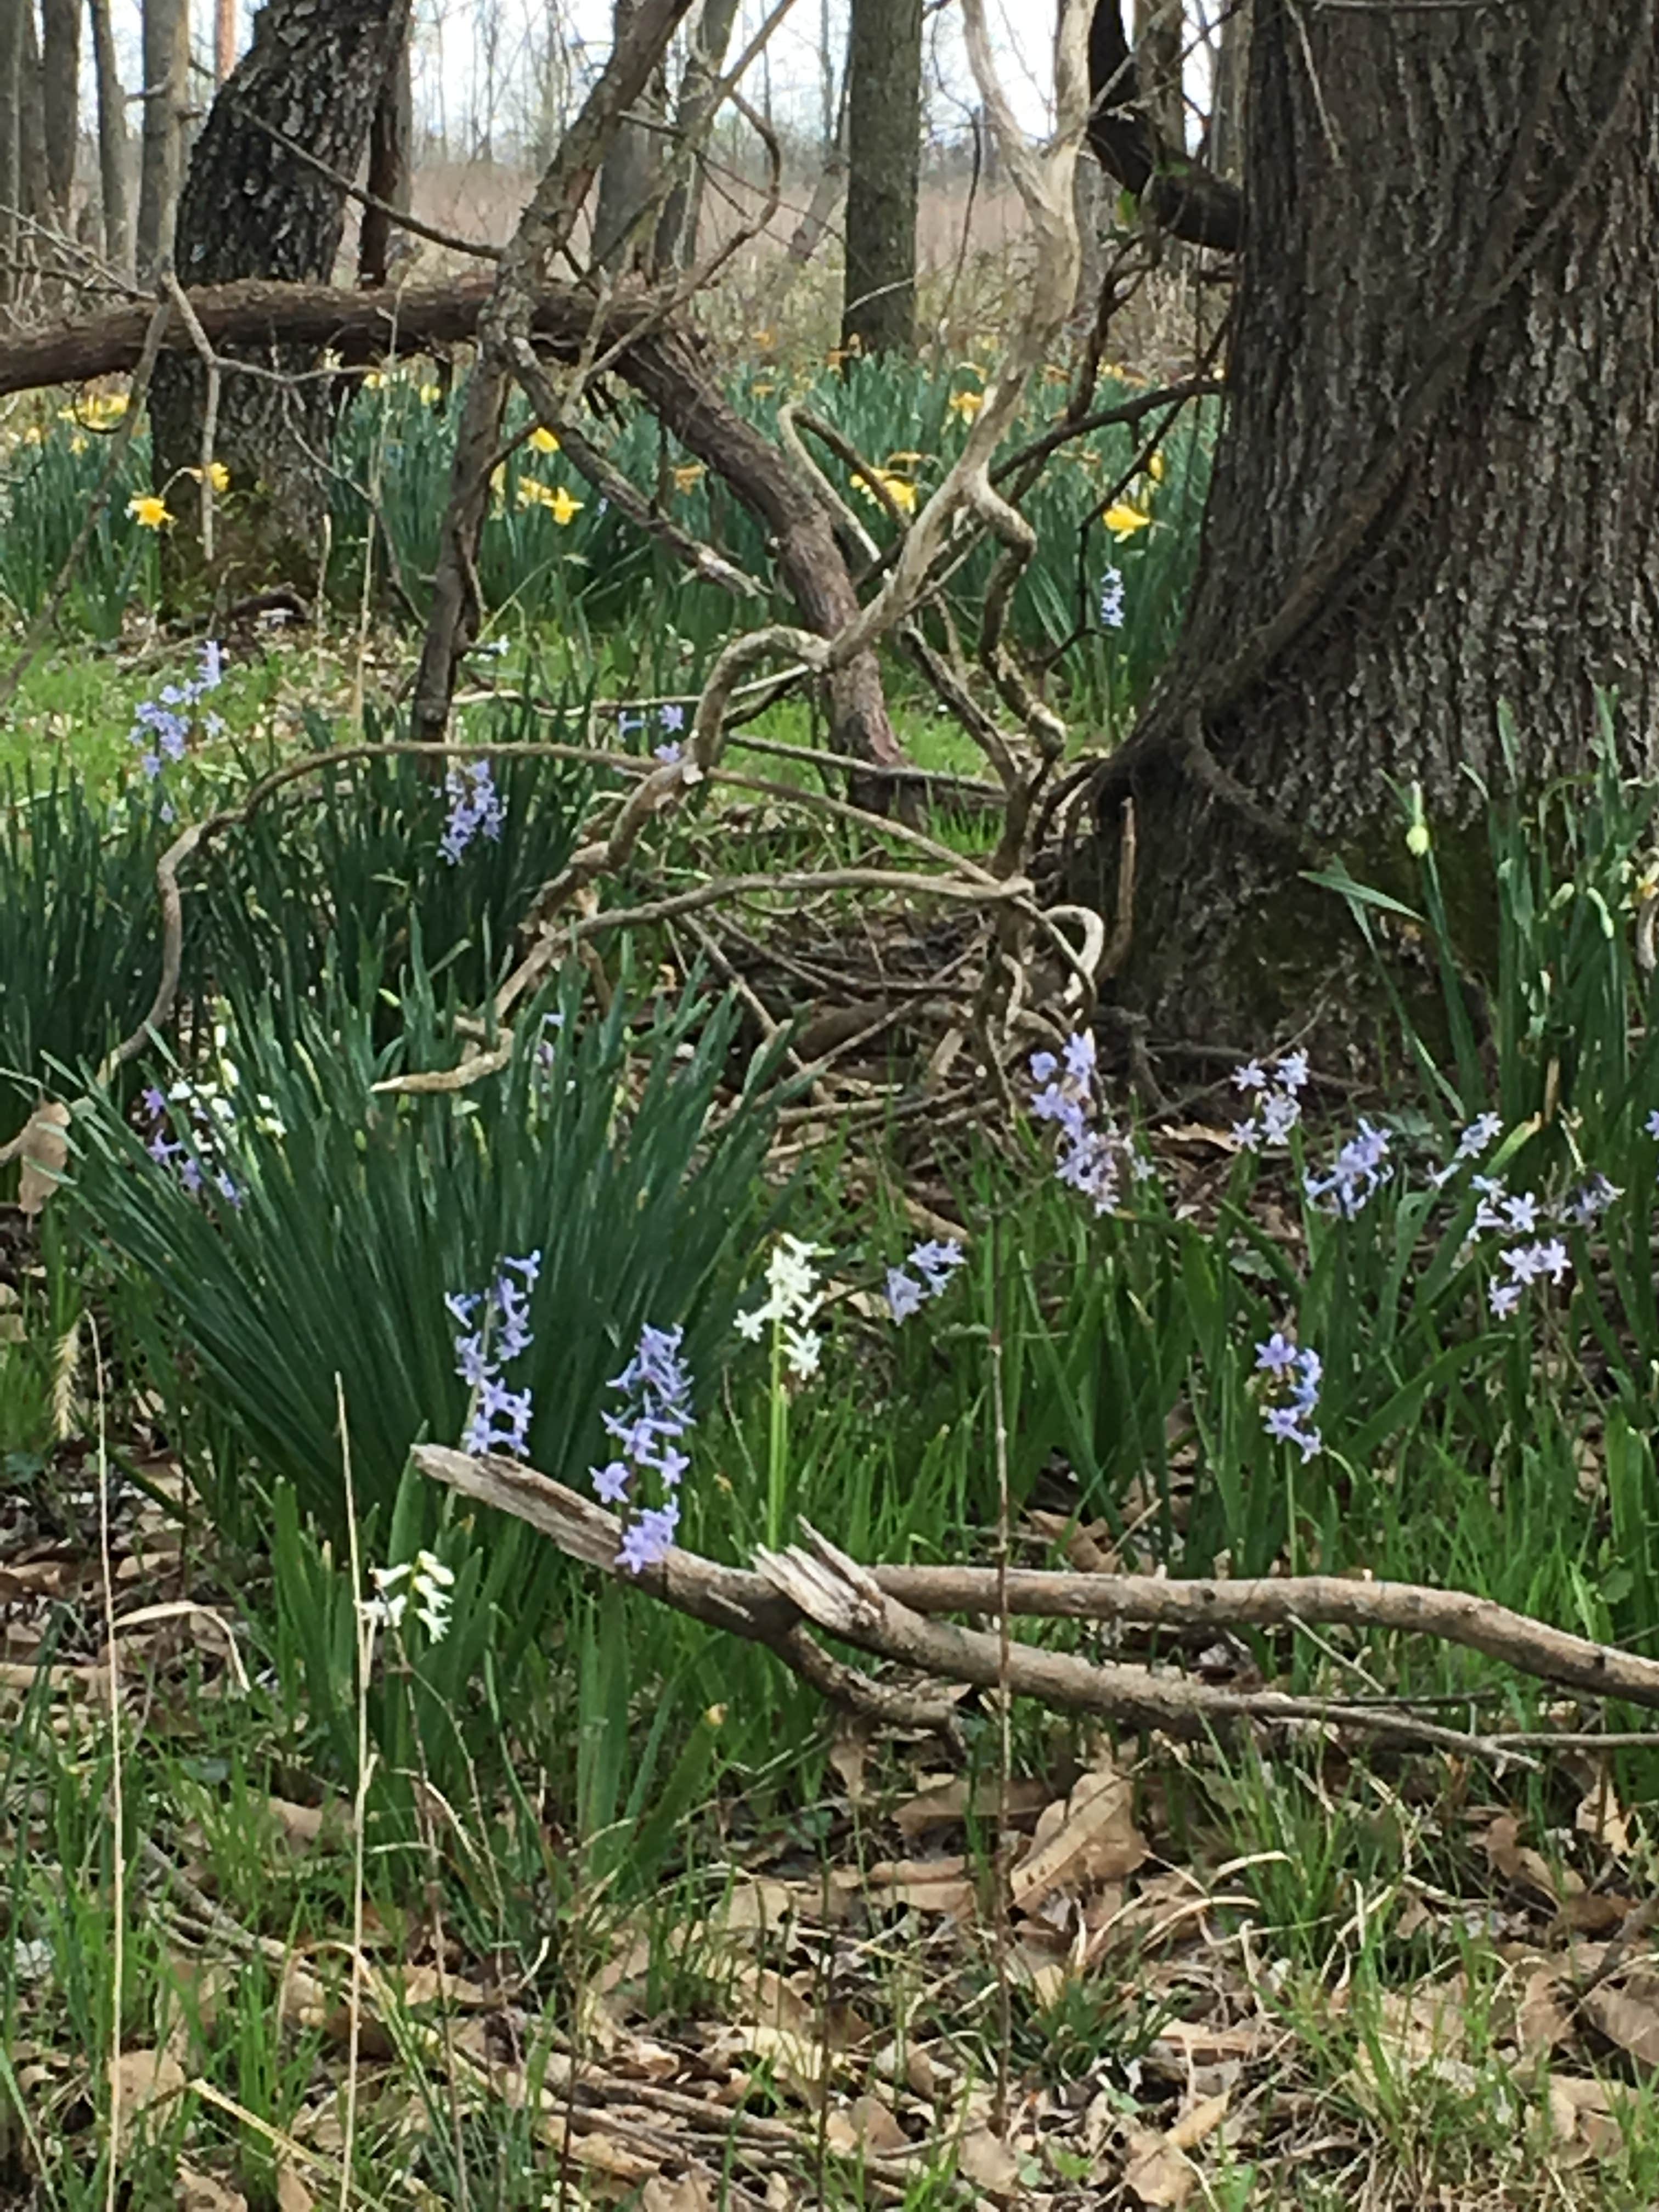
167 81
1223 144
1433 493
677 233
632 170
391 159
12 14
111 137
1159 25
60 98
315 70
883 157
224 39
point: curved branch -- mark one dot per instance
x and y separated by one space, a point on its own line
1181 195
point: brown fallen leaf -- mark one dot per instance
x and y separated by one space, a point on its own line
200 2192
950 1801
941 1885
1157 2171
868 2125
1601 1817
987 2161
45 1153
1542 2021
690 2193
1527 1868
1632 2022
141 2079
1092 1838
292 2195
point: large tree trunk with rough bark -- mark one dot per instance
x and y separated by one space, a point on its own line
1433 494
884 168
251 207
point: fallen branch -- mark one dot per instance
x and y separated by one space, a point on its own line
881 1611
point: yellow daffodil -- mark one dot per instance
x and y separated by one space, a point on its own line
762 387
907 458
687 477
543 440
148 512
1123 521
498 486
766 340
430 394
967 404
899 489
1155 467
218 475
105 407
532 492
372 379
33 435
1052 374
77 443
563 508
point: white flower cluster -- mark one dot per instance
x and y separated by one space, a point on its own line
424 1581
792 1297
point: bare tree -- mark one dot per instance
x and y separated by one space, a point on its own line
390 158
60 98
883 159
676 231
161 167
633 167
112 137
13 15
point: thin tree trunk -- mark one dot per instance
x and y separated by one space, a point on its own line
1159 25
250 207
632 170
883 156
60 98
166 79
1226 142
390 142
1433 493
676 231
112 137
12 14
224 39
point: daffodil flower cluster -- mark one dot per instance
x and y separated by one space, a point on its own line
493 1329
656 1413
1096 1153
1294 1374
424 1581
792 1297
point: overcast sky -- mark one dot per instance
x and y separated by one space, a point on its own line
451 73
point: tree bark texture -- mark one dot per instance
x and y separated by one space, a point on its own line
624 231
12 13
161 167
1223 141
884 158
314 72
1433 492
1160 26
60 98
390 169
111 137
676 231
